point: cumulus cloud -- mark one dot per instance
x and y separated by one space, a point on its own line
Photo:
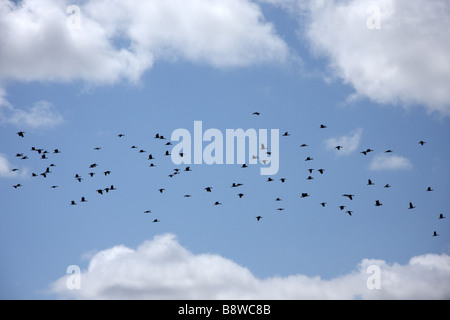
349 143
163 269
120 39
404 62
383 162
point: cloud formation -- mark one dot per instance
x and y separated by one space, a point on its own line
349 143
404 62
163 269
120 40
383 162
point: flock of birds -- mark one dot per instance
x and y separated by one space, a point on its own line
44 155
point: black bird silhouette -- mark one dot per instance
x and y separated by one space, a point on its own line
73 203
370 183
107 172
341 207
321 171
303 145
258 218
278 199
150 157
304 195
429 189
256 113
244 166
161 190
83 199
323 204
56 151
280 209
187 196
338 147
188 169
94 165
283 180
411 206
269 179
309 159
121 135
350 196
435 234
34 174
14 170
100 191
208 189
286 134
422 142
217 203
378 203
387 185
112 188
322 126
97 148
240 195
235 185
142 151
349 212
152 165
17 186
21 134
54 187
309 178
91 174
156 220
388 151
148 211
310 170
167 153
441 216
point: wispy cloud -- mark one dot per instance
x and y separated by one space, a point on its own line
349 143
383 162
163 269
41 114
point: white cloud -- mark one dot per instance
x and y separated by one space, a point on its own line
163 269
6 169
405 62
120 39
349 142
382 162
40 115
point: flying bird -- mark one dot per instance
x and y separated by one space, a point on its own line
411 206
338 147
387 185
349 212
429 189
208 189
17 186
280 209
303 145
321 170
217 203
435 234
156 220
378 203
322 126
240 195
120 135
370 183
309 159
422 142
83 199
283 180
73 203
388 151
235 185
161 190
342 207
21 134
258 218
304 195
148 211
277 199
107 172
323 204
441 216
286 134
350 196
256 113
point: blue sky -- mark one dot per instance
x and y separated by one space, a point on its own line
287 64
